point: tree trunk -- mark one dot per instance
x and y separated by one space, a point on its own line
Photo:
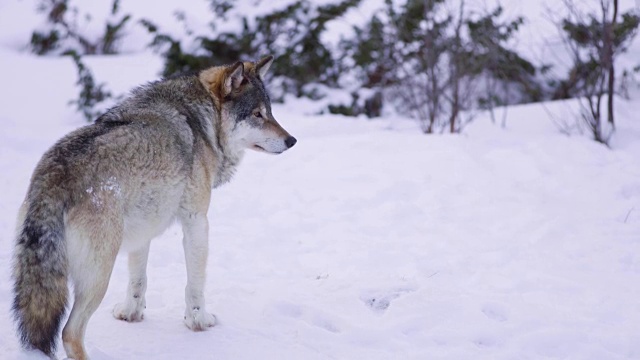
609 54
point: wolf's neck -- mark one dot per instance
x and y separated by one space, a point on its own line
228 155
229 159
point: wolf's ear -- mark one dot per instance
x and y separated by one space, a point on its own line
233 77
263 65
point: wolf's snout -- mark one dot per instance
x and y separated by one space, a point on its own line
290 141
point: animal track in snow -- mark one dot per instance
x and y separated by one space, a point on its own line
485 342
379 301
310 316
324 322
495 312
288 309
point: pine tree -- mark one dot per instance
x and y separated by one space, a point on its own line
595 40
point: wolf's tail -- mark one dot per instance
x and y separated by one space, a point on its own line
40 274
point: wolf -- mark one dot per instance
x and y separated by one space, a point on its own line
114 185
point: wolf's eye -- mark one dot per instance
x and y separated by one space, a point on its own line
257 114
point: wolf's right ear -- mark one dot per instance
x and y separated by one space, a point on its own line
233 78
262 66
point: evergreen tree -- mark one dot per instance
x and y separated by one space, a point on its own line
292 34
595 40
62 36
490 36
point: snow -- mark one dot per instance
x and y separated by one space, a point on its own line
369 239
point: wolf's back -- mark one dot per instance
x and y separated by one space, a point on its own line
40 269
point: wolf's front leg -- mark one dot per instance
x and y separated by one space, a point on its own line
132 309
196 248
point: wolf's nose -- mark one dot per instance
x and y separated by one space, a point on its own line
290 141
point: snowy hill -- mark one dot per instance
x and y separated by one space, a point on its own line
368 239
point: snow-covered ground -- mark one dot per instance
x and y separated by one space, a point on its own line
368 239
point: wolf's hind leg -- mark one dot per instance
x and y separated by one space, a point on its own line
132 309
196 248
92 255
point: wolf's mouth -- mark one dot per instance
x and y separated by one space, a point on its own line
260 148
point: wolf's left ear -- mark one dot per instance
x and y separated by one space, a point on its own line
233 77
263 65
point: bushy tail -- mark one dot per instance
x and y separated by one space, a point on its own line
40 276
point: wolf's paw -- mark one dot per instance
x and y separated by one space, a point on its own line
199 320
128 313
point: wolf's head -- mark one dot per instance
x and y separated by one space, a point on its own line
238 91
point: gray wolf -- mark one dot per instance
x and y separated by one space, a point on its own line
115 184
